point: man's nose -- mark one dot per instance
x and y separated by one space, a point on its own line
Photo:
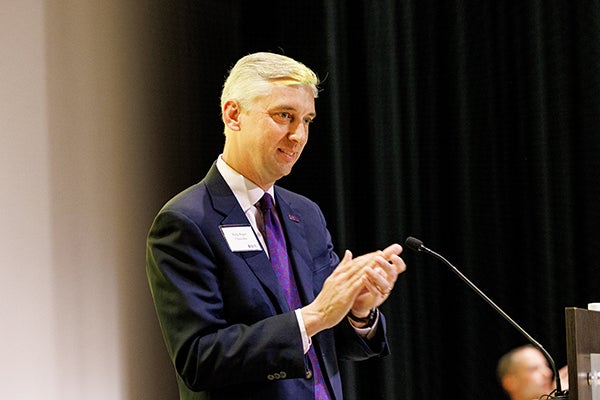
298 131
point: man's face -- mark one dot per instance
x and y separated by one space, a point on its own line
531 377
272 134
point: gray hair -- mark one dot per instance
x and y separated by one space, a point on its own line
255 74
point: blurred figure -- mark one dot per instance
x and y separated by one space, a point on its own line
525 375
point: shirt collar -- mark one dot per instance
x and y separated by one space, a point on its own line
246 192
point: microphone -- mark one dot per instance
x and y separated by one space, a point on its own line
417 245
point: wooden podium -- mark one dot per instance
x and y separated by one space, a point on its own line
583 353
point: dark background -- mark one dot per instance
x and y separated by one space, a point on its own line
472 125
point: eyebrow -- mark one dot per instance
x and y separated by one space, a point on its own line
292 108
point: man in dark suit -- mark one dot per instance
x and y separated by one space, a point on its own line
234 328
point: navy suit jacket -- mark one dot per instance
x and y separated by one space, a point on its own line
228 329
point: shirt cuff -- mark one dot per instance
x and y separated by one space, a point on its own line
368 332
306 341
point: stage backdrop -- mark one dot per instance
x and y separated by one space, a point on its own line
474 126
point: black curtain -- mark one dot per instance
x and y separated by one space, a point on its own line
472 125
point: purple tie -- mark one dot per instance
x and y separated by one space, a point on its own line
281 264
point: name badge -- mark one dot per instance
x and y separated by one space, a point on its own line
240 238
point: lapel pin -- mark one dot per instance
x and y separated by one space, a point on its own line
293 218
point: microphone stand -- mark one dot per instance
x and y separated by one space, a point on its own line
417 245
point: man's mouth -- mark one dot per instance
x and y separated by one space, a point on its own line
288 153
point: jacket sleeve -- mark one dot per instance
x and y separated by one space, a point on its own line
351 346
208 350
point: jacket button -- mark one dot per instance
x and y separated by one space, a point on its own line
309 374
270 377
282 374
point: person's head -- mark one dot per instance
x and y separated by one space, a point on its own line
267 104
524 373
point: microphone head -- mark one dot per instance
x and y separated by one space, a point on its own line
414 243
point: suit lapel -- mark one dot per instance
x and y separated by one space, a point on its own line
225 203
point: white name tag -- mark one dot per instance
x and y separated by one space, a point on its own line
240 238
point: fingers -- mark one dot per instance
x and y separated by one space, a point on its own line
380 281
392 249
349 272
358 283
347 257
392 254
388 265
379 292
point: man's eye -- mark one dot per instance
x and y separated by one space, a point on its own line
308 121
283 117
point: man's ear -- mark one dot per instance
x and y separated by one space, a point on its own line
232 114
508 383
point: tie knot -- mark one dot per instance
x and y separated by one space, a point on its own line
265 203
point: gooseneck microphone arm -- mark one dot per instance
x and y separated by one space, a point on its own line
417 245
